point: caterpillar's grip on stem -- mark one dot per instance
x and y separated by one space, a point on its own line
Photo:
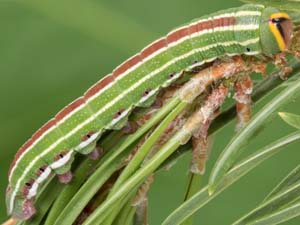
243 91
202 117
246 30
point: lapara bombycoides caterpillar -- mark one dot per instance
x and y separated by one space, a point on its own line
246 30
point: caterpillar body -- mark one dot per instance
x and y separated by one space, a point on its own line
249 30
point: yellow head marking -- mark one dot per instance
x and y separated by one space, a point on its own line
278 31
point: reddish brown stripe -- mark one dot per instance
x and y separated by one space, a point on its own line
153 47
221 22
98 86
193 29
69 108
228 21
126 65
28 143
42 130
217 23
178 34
205 25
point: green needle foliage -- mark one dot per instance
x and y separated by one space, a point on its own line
235 147
291 119
202 197
292 178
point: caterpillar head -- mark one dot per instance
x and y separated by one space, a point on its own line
276 31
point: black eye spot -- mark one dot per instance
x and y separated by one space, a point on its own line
42 169
88 135
195 61
61 155
119 113
248 49
28 184
171 75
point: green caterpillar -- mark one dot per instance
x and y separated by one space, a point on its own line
249 30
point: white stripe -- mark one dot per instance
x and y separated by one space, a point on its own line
71 113
151 93
178 41
62 161
116 120
230 15
44 175
248 13
33 190
201 62
201 21
157 52
260 6
107 106
252 53
249 42
91 139
238 14
241 27
228 28
233 14
208 31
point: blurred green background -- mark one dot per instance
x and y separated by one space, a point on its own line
52 51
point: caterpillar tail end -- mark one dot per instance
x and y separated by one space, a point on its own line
28 209
19 208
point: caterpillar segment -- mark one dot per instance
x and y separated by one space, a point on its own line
246 30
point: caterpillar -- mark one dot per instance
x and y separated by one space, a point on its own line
247 30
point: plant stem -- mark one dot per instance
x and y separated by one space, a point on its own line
194 185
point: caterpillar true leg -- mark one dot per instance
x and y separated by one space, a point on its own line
28 208
96 153
130 127
141 201
204 117
65 177
243 90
